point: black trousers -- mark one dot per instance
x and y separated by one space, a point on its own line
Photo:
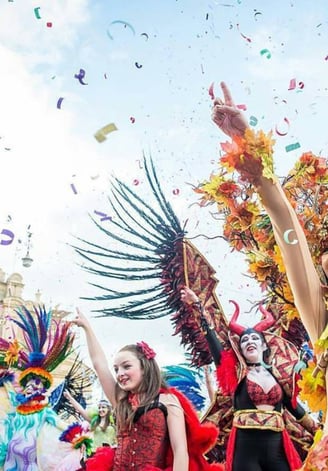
259 450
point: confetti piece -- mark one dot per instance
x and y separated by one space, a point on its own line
253 121
140 164
102 133
37 13
132 119
74 189
266 52
301 85
8 233
211 91
122 22
49 24
80 76
59 102
242 107
145 35
138 65
291 147
326 58
256 14
243 36
286 237
281 133
292 84
135 182
176 191
104 216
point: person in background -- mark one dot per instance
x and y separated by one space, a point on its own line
102 424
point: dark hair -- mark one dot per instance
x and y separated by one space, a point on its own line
148 389
267 352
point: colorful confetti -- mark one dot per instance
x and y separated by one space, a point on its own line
59 102
291 147
243 36
124 23
8 233
80 76
37 13
74 189
104 216
102 133
139 66
292 84
211 91
266 52
281 133
286 237
253 121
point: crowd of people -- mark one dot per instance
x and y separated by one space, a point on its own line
141 423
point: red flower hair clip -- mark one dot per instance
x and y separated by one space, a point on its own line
146 350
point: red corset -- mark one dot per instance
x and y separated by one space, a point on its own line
146 443
258 396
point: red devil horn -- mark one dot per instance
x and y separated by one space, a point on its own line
233 326
266 322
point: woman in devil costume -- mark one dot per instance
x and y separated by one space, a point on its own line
261 388
299 218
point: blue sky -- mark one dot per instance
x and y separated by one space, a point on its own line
189 45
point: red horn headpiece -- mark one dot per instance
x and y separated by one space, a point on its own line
238 329
265 323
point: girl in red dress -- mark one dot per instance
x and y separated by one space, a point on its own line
157 428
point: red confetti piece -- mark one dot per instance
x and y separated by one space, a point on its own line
280 133
242 107
132 119
176 191
49 24
243 36
326 58
211 91
135 182
292 84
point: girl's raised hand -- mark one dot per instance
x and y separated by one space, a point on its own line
227 116
80 319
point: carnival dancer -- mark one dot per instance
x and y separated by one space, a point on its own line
157 428
260 390
33 429
250 154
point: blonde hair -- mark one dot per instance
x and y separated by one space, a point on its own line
148 389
